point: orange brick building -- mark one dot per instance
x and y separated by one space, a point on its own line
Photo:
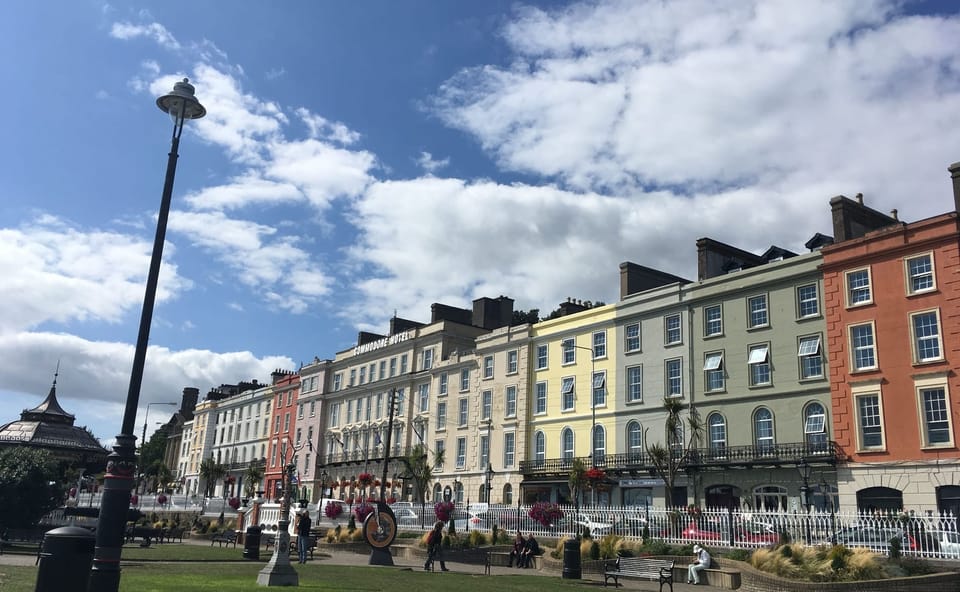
892 302
283 423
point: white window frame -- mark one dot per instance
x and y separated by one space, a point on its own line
568 392
568 450
463 412
488 367
909 276
634 438
513 361
631 338
599 341
486 405
802 300
540 398
423 391
717 442
854 294
509 449
543 356
712 326
568 351
669 329
634 384
761 441
539 447
855 348
427 359
764 310
713 367
916 339
758 356
809 348
461 452
441 415
864 393
464 380
443 385
510 401
921 387
670 378
598 383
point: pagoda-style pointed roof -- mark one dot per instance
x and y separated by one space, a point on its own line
49 410
50 427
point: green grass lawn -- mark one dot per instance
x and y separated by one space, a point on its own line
237 577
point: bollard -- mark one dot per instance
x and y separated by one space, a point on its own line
571 559
65 559
251 543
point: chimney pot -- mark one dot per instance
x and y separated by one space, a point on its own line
893 214
860 198
955 175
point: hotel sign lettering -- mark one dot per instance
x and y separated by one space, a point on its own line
382 342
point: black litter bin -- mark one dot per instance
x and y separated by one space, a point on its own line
571 559
251 543
65 559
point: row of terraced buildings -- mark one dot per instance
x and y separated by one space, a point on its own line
841 361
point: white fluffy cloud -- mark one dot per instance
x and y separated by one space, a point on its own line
54 272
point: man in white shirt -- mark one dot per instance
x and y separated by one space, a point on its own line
702 562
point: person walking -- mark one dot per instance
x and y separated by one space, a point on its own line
701 563
303 536
435 548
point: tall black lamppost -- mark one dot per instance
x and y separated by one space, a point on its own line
181 105
593 411
143 438
489 487
805 469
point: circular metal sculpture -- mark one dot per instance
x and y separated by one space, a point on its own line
380 526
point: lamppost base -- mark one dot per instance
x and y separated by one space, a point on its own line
278 571
380 557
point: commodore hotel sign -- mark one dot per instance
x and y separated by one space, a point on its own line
383 342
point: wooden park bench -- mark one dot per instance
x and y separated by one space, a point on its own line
644 568
227 537
147 534
174 533
27 537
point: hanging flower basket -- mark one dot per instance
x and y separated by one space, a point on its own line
161 499
546 513
362 511
595 476
234 502
365 479
443 510
230 480
332 510
134 500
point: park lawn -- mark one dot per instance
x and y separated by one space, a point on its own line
242 577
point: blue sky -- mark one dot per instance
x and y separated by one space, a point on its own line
370 157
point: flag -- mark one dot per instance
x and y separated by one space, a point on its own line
310 445
340 442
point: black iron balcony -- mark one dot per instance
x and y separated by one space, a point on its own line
257 462
361 456
700 459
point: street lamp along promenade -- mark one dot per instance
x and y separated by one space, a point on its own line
143 439
593 409
181 105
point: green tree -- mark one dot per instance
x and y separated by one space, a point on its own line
30 486
159 474
669 458
211 472
251 478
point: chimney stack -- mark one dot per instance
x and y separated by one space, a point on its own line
893 214
860 198
955 175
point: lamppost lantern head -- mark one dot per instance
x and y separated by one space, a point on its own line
804 469
181 104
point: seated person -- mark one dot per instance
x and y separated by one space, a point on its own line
517 551
530 549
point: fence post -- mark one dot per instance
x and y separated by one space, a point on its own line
730 525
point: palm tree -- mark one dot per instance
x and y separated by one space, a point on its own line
577 480
211 472
251 477
418 467
670 458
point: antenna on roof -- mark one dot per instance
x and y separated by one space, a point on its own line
56 373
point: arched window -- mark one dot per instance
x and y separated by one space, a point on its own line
458 492
566 443
437 493
717 431
508 495
539 448
815 427
599 444
763 430
872 499
634 439
948 499
770 497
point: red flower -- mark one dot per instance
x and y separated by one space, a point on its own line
333 510
365 479
545 513
234 502
362 511
443 510
161 499
594 474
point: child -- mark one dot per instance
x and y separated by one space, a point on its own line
434 548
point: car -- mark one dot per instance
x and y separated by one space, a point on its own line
584 520
949 542
872 537
705 531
